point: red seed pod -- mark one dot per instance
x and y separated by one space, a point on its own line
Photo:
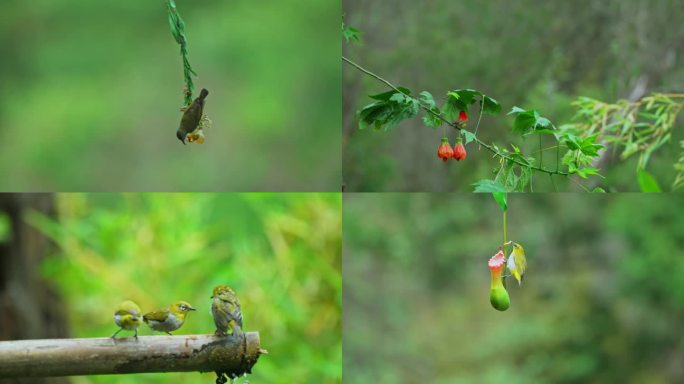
459 150
445 152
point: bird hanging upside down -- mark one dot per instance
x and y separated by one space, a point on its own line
191 119
517 262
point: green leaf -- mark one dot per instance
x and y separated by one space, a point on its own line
489 186
530 122
491 106
398 98
414 106
598 190
453 107
646 115
586 172
572 141
542 123
466 96
647 182
390 109
351 34
515 111
426 97
524 122
385 96
370 113
588 147
469 136
431 120
500 198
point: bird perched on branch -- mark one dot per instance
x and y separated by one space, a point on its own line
128 317
168 320
516 262
225 308
191 117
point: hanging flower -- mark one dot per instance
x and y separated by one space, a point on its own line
445 152
196 136
459 150
463 116
498 296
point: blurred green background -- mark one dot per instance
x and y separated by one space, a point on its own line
280 252
91 92
602 300
528 53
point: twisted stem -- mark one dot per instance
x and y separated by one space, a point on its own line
178 31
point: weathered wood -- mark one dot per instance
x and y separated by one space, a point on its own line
234 355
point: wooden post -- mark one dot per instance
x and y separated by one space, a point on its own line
233 355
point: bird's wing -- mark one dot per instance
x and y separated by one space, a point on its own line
520 259
237 314
123 312
235 311
194 114
157 316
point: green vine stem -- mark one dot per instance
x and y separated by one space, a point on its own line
178 32
503 245
439 116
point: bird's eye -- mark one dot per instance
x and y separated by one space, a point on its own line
183 307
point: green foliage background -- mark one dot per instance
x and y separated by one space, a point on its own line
91 92
602 300
280 252
530 53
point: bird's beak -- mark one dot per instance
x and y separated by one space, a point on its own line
191 308
509 242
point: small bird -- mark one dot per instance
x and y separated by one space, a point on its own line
128 317
191 117
225 308
168 320
516 262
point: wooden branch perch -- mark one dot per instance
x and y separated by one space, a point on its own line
233 355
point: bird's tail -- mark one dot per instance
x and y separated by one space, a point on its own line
204 93
518 277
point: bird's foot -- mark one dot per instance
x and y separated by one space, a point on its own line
221 378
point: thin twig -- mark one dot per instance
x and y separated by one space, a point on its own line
479 117
426 108
541 154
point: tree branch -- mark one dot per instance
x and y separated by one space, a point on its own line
427 109
233 355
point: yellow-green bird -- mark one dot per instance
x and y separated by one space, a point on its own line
167 320
516 262
191 117
225 308
128 316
